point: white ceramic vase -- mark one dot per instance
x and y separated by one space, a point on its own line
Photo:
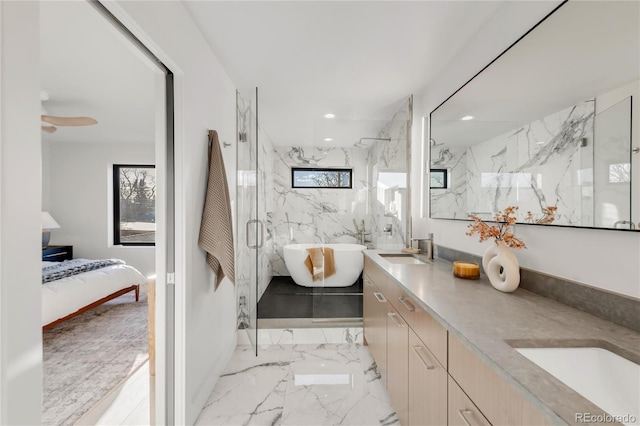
501 266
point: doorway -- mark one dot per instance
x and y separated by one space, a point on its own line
160 114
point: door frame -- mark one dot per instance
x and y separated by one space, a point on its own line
170 390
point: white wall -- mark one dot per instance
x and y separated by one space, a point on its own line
78 179
20 236
206 100
601 258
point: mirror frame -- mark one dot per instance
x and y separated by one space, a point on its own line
426 188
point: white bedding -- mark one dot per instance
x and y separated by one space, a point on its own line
63 297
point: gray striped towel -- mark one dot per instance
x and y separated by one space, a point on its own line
216 229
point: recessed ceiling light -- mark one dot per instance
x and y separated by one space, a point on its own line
329 115
467 118
328 139
540 143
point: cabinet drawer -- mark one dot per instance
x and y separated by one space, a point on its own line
398 363
427 386
375 325
377 275
424 325
462 411
500 402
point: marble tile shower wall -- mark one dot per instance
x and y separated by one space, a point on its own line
266 156
537 165
303 215
390 203
311 215
253 179
245 205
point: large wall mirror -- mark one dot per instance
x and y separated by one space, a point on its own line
552 122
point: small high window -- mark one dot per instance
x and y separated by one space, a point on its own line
321 178
134 205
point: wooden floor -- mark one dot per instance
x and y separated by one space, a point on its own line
130 403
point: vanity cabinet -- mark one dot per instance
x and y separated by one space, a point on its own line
431 376
375 324
415 378
462 411
427 386
398 363
498 401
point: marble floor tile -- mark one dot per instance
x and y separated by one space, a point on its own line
307 384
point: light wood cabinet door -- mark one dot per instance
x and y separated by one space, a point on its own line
462 411
375 324
499 401
427 386
398 363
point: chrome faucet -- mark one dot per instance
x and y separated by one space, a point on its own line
361 234
625 222
426 245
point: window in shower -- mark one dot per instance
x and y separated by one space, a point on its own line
321 178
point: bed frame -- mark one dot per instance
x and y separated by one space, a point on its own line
118 293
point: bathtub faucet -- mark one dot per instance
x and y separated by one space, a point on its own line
361 233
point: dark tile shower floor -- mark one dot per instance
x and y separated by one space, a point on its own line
283 298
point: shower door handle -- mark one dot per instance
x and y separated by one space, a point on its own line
248 228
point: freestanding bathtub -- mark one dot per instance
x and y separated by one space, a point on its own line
348 258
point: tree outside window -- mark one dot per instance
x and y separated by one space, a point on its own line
134 204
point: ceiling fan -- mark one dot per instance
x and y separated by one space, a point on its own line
49 122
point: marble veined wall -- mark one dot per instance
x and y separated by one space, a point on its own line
316 215
388 196
329 215
254 202
548 162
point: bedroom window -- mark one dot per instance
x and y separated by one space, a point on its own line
320 178
134 207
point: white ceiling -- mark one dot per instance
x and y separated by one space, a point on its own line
356 59
88 69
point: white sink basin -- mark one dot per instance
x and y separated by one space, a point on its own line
608 380
405 259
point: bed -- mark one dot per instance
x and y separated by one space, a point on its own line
67 297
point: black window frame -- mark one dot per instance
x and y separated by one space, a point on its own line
116 204
321 169
445 178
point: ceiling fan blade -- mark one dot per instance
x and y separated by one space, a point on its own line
48 129
68 121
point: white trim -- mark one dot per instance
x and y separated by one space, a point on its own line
180 298
161 237
161 252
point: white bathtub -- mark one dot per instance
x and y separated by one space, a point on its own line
348 258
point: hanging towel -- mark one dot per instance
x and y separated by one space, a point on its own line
320 263
216 230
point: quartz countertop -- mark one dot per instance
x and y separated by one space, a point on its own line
487 319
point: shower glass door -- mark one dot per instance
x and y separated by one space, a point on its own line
250 226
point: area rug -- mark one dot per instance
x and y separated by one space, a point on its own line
87 356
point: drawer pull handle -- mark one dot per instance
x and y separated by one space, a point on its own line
368 282
406 304
379 297
463 414
393 316
417 350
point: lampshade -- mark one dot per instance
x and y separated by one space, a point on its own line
48 222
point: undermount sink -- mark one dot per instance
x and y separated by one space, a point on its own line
398 258
608 380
